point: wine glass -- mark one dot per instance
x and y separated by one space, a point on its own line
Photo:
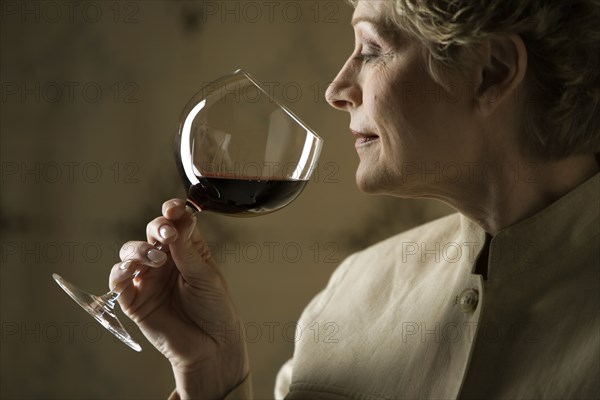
240 153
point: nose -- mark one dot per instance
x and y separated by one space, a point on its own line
344 93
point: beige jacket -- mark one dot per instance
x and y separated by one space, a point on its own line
407 318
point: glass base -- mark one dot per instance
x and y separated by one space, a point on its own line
99 309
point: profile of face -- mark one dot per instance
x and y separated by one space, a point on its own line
407 127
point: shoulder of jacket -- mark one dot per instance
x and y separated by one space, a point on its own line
384 255
440 230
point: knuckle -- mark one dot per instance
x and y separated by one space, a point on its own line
149 226
198 251
129 250
203 250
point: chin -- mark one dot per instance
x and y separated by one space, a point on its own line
365 187
373 183
370 182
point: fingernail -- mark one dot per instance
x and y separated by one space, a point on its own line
166 231
156 256
125 265
192 226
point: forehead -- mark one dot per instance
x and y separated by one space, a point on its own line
371 11
380 14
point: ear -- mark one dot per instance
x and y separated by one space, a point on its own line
505 64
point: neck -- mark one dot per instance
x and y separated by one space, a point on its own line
519 190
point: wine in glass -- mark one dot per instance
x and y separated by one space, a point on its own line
240 153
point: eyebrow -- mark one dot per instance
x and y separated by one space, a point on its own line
384 27
356 20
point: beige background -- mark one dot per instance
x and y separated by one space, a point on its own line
91 95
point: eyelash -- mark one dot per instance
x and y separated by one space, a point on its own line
365 57
371 55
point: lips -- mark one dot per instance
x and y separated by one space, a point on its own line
363 138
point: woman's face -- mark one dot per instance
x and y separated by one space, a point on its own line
410 132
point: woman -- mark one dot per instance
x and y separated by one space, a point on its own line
491 107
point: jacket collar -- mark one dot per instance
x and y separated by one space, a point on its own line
563 227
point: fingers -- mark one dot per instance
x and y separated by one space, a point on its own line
120 272
137 255
176 228
142 253
174 209
161 230
166 229
191 252
119 278
192 255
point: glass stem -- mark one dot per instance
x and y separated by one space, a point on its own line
109 299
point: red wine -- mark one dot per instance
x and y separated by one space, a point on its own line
243 197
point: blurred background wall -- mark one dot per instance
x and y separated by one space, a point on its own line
91 93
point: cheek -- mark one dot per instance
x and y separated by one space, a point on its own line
392 110
384 97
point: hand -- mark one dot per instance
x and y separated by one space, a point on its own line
181 303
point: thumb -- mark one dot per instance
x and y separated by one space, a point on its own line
191 253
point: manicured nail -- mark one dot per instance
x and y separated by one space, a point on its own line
156 256
166 231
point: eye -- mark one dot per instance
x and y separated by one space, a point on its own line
369 51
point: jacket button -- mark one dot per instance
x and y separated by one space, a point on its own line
467 300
